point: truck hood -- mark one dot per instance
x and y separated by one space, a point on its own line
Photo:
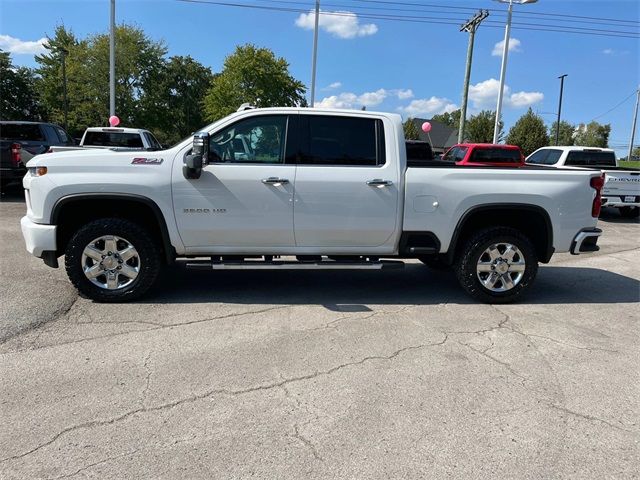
97 156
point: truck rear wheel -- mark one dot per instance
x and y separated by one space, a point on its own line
497 265
630 212
112 260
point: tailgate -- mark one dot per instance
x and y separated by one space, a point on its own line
621 183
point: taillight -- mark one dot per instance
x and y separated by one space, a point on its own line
597 183
16 157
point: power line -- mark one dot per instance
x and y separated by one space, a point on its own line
497 10
612 109
424 19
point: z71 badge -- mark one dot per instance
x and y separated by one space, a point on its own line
146 161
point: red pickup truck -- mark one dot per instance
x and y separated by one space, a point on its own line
485 154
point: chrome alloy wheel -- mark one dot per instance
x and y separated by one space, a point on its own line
110 262
501 267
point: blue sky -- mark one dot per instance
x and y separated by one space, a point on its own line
412 68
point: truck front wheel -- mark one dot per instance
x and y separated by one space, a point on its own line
497 265
112 260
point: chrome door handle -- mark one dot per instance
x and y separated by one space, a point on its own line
274 181
378 182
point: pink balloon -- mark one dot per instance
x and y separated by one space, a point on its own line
426 127
115 121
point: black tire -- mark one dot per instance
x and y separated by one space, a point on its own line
435 262
630 212
138 237
474 248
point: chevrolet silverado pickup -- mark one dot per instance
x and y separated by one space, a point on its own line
114 138
621 185
300 188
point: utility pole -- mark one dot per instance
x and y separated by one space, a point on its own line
315 55
633 126
64 52
471 26
112 60
561 77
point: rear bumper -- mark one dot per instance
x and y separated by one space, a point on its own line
38 238
12 174
617 202
586 241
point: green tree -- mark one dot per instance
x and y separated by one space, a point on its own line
172 101
138 58
593 134
479 128
529 133
410 130
450 119
566 133
252 75
18 96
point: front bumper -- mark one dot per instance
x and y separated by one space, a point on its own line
38 238
586 241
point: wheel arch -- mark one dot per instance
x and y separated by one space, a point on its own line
72 211
536 225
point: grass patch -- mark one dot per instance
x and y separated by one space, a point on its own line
629 164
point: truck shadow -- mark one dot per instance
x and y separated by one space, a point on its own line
352 290
612 215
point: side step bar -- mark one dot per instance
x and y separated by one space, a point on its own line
295 265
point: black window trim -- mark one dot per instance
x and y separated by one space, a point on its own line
380 142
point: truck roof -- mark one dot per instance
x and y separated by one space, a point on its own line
116 129
572 148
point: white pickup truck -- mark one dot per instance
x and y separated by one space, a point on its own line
621 185
300 188
114 138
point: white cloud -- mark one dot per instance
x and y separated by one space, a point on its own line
608 51
428 107
341 24
351 100
615 53
485 95
403 94
333 86
17 46
514 46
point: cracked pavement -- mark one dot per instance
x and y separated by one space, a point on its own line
322 374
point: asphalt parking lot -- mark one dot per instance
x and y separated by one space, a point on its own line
393 374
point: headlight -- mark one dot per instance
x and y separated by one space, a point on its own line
37 171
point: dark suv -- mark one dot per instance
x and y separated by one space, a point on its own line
20 141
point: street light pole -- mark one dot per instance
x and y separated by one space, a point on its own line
503 68
561 77
315 55
470 27
112 60
64 53
633 126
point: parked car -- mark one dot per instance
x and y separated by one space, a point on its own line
622 184
485 154
330 187
115 138
20 141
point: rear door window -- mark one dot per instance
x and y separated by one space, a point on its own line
151 140
22 131
64 138
591 158
547 156
345 141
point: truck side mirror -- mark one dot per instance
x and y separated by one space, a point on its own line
198 158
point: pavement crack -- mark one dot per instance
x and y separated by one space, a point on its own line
591 418
494 359
86 467
147 378
570 345
306 442
201 396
